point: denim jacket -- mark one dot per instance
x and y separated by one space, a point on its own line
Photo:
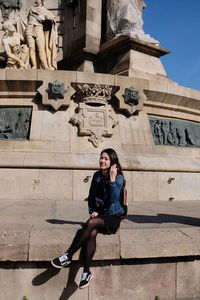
104 196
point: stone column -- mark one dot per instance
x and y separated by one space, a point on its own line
82 34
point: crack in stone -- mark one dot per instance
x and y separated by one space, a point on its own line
185 234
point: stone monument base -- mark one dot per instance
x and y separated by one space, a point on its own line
154 255
128 56
123 55
82 61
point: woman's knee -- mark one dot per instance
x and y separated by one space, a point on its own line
91 223
94 223
93 234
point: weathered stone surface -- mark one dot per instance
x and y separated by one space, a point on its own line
40 230
14 244
138 281
57 172
165 242
145 63
45 244
21 74
108 247
38 146
130 57
83 181
141 282
98 78
41 282
152 229
55 180
54 127
129 131
173 189
3 74
188 280
146 179
11 158
45 160
12 181
66 159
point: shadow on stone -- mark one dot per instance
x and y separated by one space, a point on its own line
61 222
71 285
45 276
165 218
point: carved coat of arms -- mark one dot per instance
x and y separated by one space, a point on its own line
95 117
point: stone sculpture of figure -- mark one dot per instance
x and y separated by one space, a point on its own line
124 17
17 53
6 6
41 35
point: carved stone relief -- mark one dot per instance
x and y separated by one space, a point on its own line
130 100
95 122
15 123
55 94
93 92
174 132
30 41
131 96
56 90
17 54
7 6
95 117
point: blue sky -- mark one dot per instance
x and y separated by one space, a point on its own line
176 24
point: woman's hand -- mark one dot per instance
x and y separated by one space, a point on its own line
113 173
93 214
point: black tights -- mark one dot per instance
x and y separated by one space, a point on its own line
85 239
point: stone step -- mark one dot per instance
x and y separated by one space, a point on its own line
40 230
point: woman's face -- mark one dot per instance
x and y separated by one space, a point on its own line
104 161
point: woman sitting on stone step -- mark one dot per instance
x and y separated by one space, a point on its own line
105 211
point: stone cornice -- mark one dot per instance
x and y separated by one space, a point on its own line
124 43
152 158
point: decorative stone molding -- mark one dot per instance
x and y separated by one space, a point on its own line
130 100
125 43
95 117
92 92
55 94
131 96
56 90
19 88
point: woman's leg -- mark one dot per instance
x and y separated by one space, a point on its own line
88 251
87 233
84 235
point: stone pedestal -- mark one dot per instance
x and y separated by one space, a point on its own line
81 40
128 56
